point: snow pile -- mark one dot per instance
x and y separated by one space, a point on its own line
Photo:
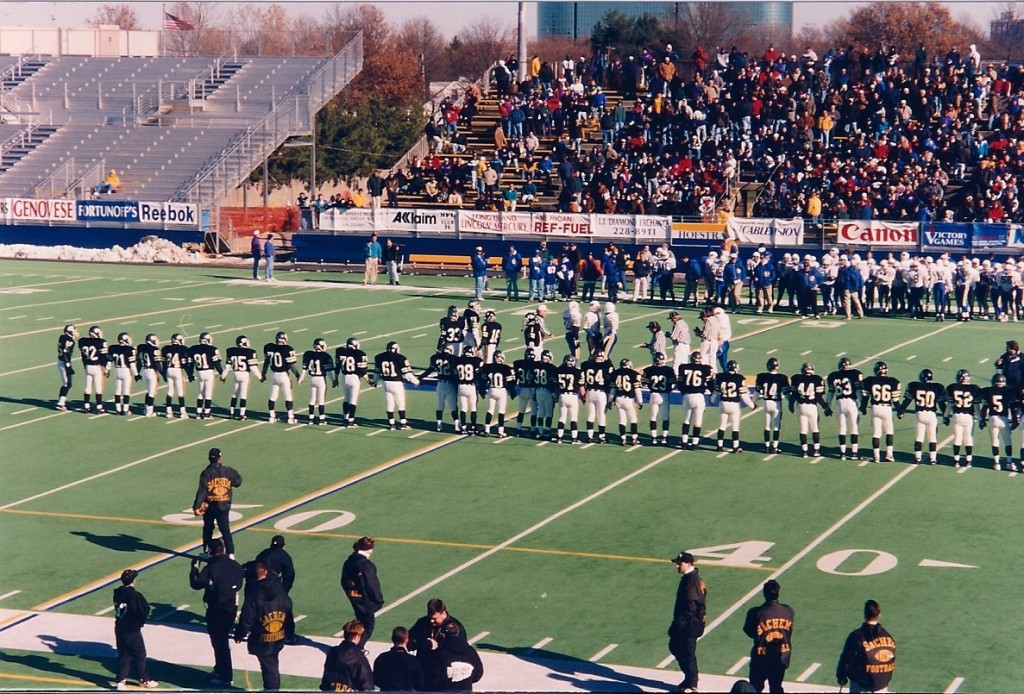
151 249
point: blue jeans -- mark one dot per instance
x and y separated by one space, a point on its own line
536 289
481 280
255 267
723 354
269 271
512 286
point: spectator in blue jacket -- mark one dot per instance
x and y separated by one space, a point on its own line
537 270
512 264
808 284
612 275
732 278
479 266
764 281
690 270
849 282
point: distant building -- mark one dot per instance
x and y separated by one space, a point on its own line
576 19
1008 28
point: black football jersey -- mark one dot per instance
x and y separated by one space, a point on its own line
524 372
65 347
348 361
392 366
280 358
660 379
175 356
772 386
241 358
443 364
453 330
597 375
498 375
93 351
467 370
927 397
545 375
490 333
881 390
845 383
998 401
807 389
570 378
121 356
963 397
471 320
694 378
317 363
730 386
205 357
149 357
626 382
532 334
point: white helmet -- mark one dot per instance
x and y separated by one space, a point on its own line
609 307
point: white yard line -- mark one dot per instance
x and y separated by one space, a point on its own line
806 674
603 652
540 644
738 665
419 434
954 685
481 635
27 409
9 595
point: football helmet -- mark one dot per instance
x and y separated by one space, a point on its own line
963 376
242 341
625 364
925 376
469 351
654 326
546 356
881 368
177 339
600 357
95 331
594 306
490 315
530 354
772 364
70 330
568 360
499 357
352 343
153 340
448 349
393 347
844 364
807 369
320 345
659 359
453 311
609 307
530 318
999 381
732 366
124 339
695 357
281 338
474 305
205 339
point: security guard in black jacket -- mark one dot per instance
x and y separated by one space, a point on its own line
869 655
220 581
264 613
398 670
687 620
280 564
425 638
346 668
771 627
213 500
361 585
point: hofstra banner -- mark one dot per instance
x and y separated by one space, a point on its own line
756 232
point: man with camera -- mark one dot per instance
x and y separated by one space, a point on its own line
220 581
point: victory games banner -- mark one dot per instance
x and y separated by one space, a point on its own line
877 233
946 235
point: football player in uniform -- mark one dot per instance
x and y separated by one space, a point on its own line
730 390
65 351
545 386
490 336
844 387
570 388
592 328
279 357
176 359
467 374
525 384
392 369
806 394
350 369
126 370
627 398
471 321
680 337
659 378
572 319
532 336
204 359
453 331
927 397
610 328
242 362
996 407
317 363
771 386
962 401
882 392
597 380
151 367
93 350
694 383
443 364
500 380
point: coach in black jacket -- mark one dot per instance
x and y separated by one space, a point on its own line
264 613
771 627
213 500
425 638
361 586
220 581
869 654
130 614
398 670
346 668
687 620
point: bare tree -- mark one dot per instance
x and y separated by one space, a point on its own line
423 39
205 39
1007 32
342 22
709 24
122 16
479 46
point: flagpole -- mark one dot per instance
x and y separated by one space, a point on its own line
163 30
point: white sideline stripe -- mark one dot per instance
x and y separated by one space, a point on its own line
540 644
419 434
481 635
105 610
722 454
328 332
665 663
127 322
164 615
37 419
947 359
543 443
954 685
810 547
215 422
633 448
865 360
379 431
840 354
126 466
585 446
416 337
864 463
768 457
159 323
603 652
738 349
806 674
502 440
94 299
982 361
98 415
299 618
9 595
45 318
525 533
962 470
300 330
50 284
817 459
27 409
738 665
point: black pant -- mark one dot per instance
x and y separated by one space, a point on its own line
684 648
368 618
767 669
219 621
220 517
131 650
270 669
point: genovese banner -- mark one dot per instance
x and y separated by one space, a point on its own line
877 233
767 232
946 235
28 210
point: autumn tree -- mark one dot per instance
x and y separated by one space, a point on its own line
903 26
122 16
424 40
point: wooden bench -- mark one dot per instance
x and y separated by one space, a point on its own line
432 261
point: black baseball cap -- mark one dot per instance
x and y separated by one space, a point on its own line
214 453
683 558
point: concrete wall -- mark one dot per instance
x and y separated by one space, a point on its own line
104 41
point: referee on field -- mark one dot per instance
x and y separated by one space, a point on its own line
213 500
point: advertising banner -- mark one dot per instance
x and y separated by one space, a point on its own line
28 210
424 221
788 232
124 211
626 228
751 231
687 232
561 224
653 229
169 213
989 235
946 235
352 219
1015 236
877 233
481 222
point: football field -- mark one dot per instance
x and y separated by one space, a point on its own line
547 553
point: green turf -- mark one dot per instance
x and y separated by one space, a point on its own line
585 578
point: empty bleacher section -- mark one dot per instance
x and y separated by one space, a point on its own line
174 128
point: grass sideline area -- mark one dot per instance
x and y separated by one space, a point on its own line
558 553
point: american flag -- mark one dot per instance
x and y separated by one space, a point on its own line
172 23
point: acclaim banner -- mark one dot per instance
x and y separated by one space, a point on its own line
423 221
877 233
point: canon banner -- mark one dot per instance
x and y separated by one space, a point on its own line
877 233
27 210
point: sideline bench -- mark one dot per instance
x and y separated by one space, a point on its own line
434 261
